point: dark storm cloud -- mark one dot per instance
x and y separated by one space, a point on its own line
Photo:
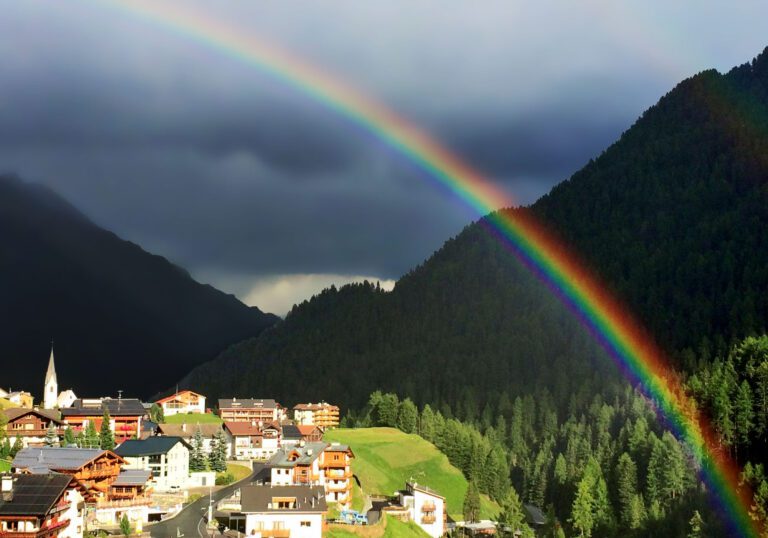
235 175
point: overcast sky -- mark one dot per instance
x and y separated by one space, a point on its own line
255 188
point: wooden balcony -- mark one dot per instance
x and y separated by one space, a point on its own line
51 530
275 533
428 519
338 487
428 507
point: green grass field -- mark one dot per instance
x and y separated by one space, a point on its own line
193 418
6 404
5 466
393 529
385 458
238 471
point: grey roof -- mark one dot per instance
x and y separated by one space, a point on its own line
151 446
247 403
117 408
422 488
535 515
258 499
307 454
54 458
34 495
290 431
132 477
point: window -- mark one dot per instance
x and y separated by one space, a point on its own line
306 523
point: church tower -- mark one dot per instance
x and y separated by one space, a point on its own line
51 390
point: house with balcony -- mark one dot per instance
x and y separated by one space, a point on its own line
250 410
129 494
283 511
252 440
40 506
125 415
182 402
294 435
167 458
322 414
94 468
316 464
31 425
425 507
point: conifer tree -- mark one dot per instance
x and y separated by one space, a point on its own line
69 437
407 416
17 446
471 508
626 486
696 526
90 438
427 424
217 459
197 456
106 437
511 520
51 436
744 413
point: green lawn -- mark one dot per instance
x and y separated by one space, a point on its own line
6 404
238 471
385 458
193 418
394 529
5 466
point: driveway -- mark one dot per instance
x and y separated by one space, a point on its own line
189 522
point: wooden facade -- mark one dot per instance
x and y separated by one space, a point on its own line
31 425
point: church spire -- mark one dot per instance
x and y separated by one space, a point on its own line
51 390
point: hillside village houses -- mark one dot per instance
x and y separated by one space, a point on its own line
423 506
91 487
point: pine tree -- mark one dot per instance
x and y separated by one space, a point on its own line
582 513
696 525
5 448
106 437
472 503
744 413
407 416
156 414
17 446
91 437
69 437
217 459
52 436
197 456
512 518
626 486
427 424
125 525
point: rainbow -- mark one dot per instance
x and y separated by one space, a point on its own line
608 321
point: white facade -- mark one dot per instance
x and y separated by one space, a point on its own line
427 509
74 515
183 402
299 525
51 388
66 398
169 470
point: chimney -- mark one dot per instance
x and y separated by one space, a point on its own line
7 483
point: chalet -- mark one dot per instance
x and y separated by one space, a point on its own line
125 414
250 410
323 415
166 457
95 469
294 435
187 431
317 464
31 425
283 511
425 507
130 495
254 441
41 505
182 402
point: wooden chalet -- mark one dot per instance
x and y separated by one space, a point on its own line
31 425
126 415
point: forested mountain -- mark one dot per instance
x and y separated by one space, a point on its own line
672 217
121 318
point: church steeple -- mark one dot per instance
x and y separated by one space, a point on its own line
51 389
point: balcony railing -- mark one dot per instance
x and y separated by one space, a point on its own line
51 530
338 487
428 507
428 519
275 533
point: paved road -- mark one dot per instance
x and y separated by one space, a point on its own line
189 523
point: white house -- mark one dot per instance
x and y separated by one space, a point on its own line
252 441
282 511
166 457
66 398
182 402
426 508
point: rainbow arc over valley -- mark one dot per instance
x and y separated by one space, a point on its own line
609 322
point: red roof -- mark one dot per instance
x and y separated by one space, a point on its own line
242 428
307 430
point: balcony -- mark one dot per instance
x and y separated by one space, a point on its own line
51 530
337 474
428 507
428 519
346 486
275 533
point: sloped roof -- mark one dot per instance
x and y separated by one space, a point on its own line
177 430
243 428
314 407
34 495
18 412
55 458
291 431
123 407
307 430
304 455
176 395
132 477
258 499
247 403
150 446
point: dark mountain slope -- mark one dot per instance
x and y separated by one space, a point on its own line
121 318
673 216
